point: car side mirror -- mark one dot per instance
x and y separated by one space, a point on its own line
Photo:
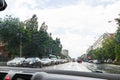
3 5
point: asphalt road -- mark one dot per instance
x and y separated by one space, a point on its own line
72 66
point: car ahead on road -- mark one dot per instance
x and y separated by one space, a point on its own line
46 61
15 62
79 60
32 62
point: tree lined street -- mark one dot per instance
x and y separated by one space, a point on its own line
110 49
27 39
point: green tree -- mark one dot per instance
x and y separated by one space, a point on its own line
56 46
117 41
32 23
9 34
31 37
34 42
109 48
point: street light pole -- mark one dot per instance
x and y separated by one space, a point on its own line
20 44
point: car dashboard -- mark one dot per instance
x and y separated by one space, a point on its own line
39 74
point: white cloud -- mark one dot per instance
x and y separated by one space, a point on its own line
79 23
83 19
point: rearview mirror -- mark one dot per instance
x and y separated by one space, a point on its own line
3 5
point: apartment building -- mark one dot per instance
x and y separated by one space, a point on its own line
99 41
65 52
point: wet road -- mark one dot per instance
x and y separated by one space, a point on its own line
105 68
74 66
70 66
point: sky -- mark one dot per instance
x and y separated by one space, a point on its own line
78 23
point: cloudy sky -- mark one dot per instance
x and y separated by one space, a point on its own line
78 23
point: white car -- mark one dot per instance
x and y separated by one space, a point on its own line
15 62
46 61
54 61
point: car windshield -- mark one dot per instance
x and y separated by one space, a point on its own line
75 35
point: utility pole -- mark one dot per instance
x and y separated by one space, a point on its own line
20 44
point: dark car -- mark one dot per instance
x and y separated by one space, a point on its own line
32 62
90 61
79 60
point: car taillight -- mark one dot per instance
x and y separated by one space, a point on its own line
7 77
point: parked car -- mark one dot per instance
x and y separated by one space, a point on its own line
90 61
15 62
46 61
62 61
54 61
65 60
97 62
32 62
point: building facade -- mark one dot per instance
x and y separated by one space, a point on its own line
65 52
98 43
3 54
